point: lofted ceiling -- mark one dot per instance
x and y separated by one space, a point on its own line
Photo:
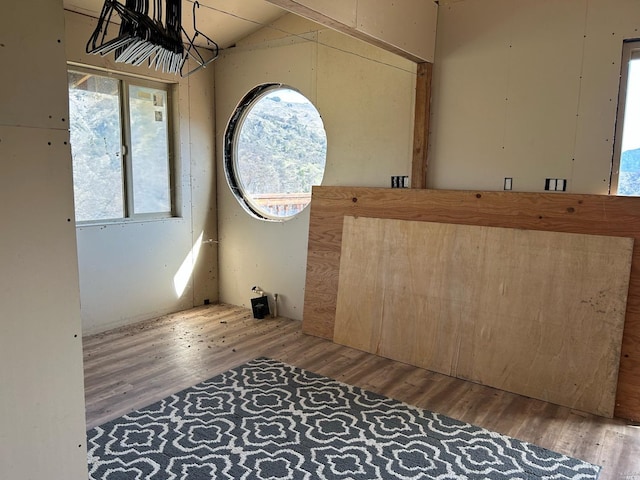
224 21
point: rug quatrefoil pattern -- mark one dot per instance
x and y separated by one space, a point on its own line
269 420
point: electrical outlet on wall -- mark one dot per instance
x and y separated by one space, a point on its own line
555 184
508 183
400 181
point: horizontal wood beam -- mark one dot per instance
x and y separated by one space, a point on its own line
422 39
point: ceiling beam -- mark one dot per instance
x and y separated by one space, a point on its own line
404 27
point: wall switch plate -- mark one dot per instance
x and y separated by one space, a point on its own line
555 184
399 181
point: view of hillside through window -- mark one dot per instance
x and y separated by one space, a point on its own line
121 162
629 174
98 175
281 149
149 150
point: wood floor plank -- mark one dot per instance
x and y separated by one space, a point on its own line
134 366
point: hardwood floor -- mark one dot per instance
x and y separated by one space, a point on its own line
131 367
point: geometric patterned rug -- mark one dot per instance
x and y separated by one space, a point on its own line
269 420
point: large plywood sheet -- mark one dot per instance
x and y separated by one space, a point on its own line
536 313
588 214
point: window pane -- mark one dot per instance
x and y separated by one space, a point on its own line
94 122
281 153
149 150
629 176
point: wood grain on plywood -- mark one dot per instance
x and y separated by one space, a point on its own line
588 214
531 312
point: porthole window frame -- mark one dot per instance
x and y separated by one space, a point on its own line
231 134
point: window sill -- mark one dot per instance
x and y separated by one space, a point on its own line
127 221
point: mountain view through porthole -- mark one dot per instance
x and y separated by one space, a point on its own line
281 152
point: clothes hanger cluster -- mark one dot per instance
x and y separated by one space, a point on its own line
142 38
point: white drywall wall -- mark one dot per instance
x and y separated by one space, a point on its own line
128 270
42 426
527 90
365 96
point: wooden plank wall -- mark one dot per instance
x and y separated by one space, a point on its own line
588 214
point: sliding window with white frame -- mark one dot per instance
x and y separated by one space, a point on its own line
121 147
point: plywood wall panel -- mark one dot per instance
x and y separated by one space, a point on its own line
386 286
590 214
550 316
321 281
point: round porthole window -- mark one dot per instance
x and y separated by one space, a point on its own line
275 151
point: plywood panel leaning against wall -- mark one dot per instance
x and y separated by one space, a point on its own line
588 214
530 312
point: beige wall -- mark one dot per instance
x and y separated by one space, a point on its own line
127 269
42 426
365 97
527 90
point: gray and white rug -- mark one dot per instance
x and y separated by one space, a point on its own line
268 420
